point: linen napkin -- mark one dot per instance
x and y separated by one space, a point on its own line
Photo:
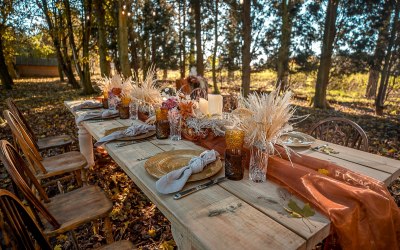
131 131
87 104
175 180
96 115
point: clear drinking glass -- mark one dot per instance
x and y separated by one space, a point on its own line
258 164
175 124
175 128
134 110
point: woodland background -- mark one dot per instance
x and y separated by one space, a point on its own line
315 46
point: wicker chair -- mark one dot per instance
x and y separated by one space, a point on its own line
340 131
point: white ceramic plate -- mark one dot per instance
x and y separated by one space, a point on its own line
297 139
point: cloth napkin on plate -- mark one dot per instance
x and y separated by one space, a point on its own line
96 115
175 180
131 131
87 104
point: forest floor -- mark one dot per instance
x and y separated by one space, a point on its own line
134 217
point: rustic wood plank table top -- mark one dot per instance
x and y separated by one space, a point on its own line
254 216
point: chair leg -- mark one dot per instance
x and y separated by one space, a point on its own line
78 177
108 230
74 240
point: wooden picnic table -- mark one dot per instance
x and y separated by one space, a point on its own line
252 214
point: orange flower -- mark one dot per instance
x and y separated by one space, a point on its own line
186 109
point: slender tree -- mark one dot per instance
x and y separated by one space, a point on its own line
199 49
86 28
123 39
214 57
57 45
246 55
4 74
102 37
379 53
385 73
287 11
326 55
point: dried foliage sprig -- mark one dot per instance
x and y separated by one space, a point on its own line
199 125
266 118
147 91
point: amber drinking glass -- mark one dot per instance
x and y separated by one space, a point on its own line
123 111
162 123
234 155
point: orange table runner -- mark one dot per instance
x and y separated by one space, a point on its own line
363 213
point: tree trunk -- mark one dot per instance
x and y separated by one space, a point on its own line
153 51
283 53
326 55
134 53
192 38
199 50
86 27
123 39
165 74
102 38
60 72
68 71
214 58
72 41
246 56
385 74
379 53
5 77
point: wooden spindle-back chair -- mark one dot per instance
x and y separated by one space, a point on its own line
64 212
340 131
21 230
71 162
62 141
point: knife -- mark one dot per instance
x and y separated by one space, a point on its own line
197 188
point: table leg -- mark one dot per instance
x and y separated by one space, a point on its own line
182 241
86 144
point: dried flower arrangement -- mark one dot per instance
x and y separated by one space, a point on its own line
146 91
264 118
116 84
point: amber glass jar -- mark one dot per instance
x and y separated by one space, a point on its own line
234 155
162 123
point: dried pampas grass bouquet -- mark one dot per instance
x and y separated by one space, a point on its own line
266 119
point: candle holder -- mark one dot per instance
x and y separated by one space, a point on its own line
234 155
162 123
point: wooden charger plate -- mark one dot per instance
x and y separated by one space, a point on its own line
130 138
165 162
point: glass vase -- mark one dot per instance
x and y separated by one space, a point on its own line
175 124
258 164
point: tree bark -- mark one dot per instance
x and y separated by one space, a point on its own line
246 56
214 58
134 53
68 71
283 53
379 53
102 38
199 50
5 77
326 55
385 74
86 27
123 39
